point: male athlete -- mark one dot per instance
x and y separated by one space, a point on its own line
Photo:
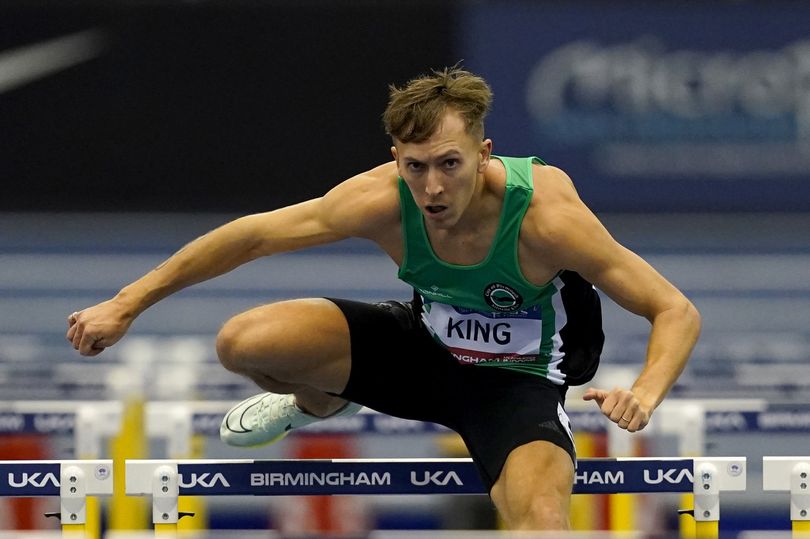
501 253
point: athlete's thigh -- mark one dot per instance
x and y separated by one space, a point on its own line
534 487
302 341
396 367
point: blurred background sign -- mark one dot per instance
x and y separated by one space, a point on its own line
654 106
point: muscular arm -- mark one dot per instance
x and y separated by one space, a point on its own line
229 247
576 239
353 208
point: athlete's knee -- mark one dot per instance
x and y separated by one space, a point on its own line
258 341
240 342
541 512
228 345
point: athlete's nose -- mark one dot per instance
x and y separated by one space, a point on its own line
433 185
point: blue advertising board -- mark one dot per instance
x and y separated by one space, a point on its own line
443 476
702 106
29 478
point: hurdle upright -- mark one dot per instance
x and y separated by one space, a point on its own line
791 474
166 480
72 480
88 422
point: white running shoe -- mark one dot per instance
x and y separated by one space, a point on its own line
267 418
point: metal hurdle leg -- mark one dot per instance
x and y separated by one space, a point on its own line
79 483
173 422
76 481
791 474
95 421
706 495
165 499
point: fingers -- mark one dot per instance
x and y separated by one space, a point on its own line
632 420
71 320
80 339
595 394
622 407
638 422
89 345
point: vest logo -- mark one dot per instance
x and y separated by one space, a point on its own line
202 481
436 478
502 297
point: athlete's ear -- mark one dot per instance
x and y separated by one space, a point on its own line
484 153
394 153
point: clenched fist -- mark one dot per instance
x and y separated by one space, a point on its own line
92 330
621 406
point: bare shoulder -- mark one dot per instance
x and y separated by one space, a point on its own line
556 209
365 204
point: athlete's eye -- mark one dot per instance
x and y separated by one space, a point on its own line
451 163
415 167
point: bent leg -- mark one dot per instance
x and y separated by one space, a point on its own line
298 346
533 491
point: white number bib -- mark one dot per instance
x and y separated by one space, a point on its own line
476 337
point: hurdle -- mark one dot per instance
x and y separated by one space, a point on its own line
791 474
166 480
72 480
89 423
689 421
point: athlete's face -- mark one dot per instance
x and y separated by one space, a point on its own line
444 173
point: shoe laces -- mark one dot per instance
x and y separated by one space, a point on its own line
274 408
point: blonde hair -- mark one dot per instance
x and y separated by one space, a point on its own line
414 111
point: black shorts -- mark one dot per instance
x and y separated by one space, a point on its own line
400 370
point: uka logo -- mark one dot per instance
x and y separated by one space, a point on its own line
202 480
672 476
436 478
36 479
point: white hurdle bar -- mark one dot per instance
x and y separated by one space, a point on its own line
791 474
89 422
72 480
165 480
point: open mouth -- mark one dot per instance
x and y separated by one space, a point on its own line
435 208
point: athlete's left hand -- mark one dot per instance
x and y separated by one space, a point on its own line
621 406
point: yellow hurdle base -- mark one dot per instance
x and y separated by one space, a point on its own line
707 530
801 528
166 530
73 531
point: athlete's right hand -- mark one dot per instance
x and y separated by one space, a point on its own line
95 328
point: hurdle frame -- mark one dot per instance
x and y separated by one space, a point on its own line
77 480
791 474
88 422
164 481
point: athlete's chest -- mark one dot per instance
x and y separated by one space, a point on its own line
463 248
470 250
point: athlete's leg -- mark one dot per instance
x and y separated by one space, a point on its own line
299 346
533 491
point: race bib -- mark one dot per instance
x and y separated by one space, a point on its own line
477 337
